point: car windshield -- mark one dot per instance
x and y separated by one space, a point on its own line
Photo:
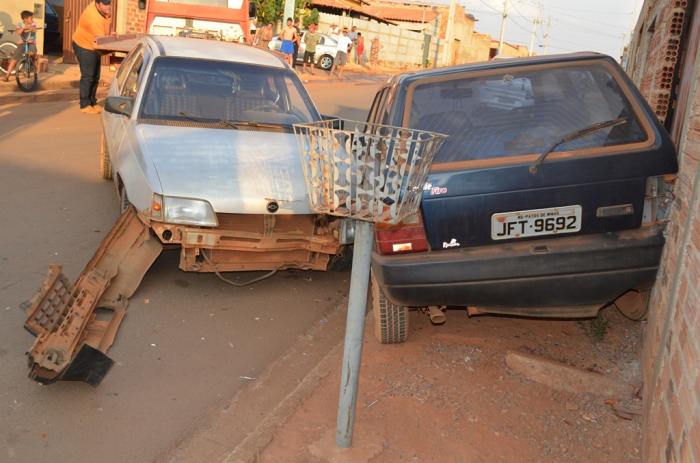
185 90
524 112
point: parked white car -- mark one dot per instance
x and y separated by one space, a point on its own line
325 50
198 138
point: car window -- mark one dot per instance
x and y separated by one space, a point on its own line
126 66
184 89
372 116
518 112
131 83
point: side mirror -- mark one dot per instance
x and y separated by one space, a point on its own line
122 105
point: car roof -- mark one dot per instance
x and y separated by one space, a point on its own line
498 63
184 47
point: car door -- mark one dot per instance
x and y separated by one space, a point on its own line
486 186
113 123
130 87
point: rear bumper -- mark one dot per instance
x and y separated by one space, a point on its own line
578 270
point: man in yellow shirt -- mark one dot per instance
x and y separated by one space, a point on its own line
94 22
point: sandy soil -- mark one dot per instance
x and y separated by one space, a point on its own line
447 395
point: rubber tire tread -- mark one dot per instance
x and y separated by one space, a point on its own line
105 161
390 320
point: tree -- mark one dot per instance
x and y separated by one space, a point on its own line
310 17
271 11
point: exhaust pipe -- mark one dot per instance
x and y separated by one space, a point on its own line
437 316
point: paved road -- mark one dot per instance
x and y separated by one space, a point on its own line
187 338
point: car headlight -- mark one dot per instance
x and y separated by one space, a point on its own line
186 211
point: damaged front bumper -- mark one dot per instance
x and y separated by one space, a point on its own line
75 324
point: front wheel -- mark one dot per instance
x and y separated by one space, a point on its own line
27 77
7 49
325 62
390 320
105 161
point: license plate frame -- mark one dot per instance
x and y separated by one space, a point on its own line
536 222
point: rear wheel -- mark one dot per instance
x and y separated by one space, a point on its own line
105 161
634 304
390 320
325 62
27 78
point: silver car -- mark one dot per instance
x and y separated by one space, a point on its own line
198 138
325 50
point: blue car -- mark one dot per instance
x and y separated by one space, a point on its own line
549 199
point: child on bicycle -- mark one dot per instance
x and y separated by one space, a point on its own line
26 29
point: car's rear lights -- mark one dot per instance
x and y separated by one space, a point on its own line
408 236
658 199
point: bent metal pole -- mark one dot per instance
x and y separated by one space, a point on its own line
354 331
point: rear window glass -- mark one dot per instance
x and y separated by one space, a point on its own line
523 112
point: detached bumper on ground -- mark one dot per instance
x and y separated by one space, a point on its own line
575 271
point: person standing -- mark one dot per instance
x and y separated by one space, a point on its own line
297 41
263 37
311 39
93 22
353 37
287 36
360 50
341 54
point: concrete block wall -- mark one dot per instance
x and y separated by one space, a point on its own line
671 356
135 18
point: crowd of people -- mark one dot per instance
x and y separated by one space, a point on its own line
350 43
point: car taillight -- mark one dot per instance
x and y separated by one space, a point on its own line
658 199
408 236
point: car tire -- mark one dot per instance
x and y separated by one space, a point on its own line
634 304
325 62
105 161
390 320
124 202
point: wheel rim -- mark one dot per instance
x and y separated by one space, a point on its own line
326 62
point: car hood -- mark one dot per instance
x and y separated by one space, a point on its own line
237 171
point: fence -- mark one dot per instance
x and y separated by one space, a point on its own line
400 47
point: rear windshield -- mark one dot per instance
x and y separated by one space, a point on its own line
189 90
523 112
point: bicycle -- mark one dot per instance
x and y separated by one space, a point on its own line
26 74
7 49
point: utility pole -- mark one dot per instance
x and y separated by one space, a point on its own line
502 35
546 35
450 33
288 11
436 34
533 35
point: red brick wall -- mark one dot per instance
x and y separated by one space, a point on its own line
135 18
671 357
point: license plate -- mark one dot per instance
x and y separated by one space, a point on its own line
535 222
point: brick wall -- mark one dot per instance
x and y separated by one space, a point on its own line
671 353
135 18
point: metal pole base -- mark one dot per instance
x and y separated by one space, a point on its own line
354 331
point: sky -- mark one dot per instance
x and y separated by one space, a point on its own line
576 25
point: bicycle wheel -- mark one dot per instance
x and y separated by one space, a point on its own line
27 78
7 49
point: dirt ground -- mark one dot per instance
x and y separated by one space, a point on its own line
447 395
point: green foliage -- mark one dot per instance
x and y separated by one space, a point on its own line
271 11
310 17
598 327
